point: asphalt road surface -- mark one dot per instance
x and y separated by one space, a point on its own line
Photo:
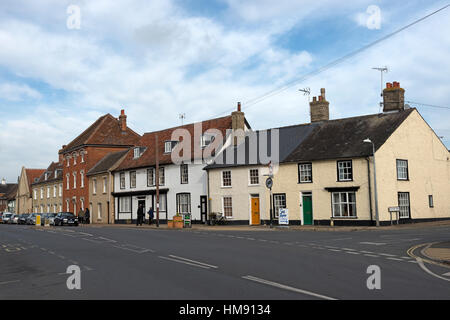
137 263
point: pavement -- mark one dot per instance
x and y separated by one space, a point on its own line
222 263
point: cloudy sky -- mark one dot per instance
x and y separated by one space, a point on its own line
159 58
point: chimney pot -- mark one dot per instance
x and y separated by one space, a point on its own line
320 108
393 97
239 106
122 112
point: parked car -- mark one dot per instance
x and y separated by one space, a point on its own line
6 217
14 219
50 217
65 219
23 218
31 219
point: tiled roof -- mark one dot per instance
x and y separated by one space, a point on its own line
7 189
33 174
148 141
51 173
104 131
107 162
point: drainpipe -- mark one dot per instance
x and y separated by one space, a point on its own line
208 209
370 188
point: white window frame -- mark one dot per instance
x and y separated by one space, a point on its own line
225 207
82 178
42 193
35 194
184 202
402 169
105 183
94 186
167 146
74 179
342 170
279 202
228 178
55 187
133 181
305 172
122 180
60 189
405 210
162 177
67 181
124 206
250 177
347 203
152 176
136 152
184 174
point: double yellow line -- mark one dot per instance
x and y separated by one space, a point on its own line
426 246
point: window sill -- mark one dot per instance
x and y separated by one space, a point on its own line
254 185
343 218
304 182
402 179
344 180
226 187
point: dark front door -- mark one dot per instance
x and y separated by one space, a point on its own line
143 205
307 210
203 208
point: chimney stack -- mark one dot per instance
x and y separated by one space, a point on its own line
3 181
319 108
123 121
393 97
238 123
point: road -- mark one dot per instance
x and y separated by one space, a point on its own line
142 263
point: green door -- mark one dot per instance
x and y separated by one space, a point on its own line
307 210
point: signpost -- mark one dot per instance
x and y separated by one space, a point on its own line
187 221
283 217
396 210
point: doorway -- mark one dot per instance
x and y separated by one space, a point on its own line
203 208
141 202
255 212
307 208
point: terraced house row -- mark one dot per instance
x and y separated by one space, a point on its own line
323 172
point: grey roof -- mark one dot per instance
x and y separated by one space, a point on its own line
343 138
332 139
5 189
289 138
107 162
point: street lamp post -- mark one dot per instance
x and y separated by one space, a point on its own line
374 181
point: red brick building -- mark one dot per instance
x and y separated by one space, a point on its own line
107 134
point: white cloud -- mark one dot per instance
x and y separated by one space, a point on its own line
17 92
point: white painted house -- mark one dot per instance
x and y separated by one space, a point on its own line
182 186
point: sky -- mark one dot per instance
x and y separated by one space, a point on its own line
63 64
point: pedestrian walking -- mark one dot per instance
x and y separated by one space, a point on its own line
150 215
140 214
81 216
87 216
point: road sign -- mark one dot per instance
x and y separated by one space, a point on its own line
394 209
269 183
283 216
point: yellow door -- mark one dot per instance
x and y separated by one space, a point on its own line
255 212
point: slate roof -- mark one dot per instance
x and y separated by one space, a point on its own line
289 138
342 138
332 139
104 131
107 162
148 141
51 173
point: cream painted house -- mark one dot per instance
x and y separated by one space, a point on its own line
48 189
101 185
24 200
326 171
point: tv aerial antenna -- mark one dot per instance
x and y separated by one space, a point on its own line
381 69
306 91
182 116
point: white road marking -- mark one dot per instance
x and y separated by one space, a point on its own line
198 262
282 286
371 255
422 265
250 239
407 258
374 243
335 250
106 239
185 262
370 252
62 257
87 234
447 274
387 255
396 259
7 282
348 249
352 252
43 249
88 268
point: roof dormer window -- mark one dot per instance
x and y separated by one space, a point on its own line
138 151
46 176
206 139
169 145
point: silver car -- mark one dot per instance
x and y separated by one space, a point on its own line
14 219
6 217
